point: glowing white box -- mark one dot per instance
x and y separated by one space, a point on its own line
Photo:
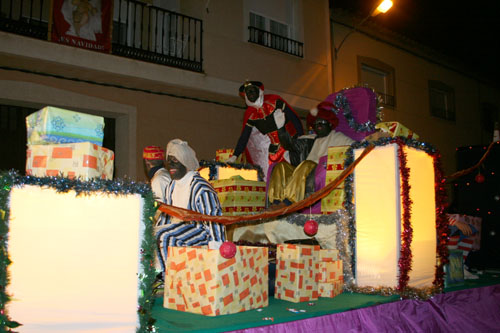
75 260
378 212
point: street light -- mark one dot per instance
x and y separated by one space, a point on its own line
382 7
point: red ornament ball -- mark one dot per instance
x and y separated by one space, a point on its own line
479 178
311 228
227 250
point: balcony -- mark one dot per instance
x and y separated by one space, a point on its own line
140 31
276 42
386 100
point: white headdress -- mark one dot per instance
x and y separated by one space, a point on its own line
183 153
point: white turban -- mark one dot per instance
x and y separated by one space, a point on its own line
183 153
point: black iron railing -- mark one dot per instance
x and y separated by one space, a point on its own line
277 42
153 34
27 18
140 31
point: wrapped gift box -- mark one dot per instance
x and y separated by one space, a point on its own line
83 160
330 289
328 255
239 196
52 125
335 163
471 221
297 272
214 171
199 280
334 167
222 155
333 201
378 205
396 129
331 271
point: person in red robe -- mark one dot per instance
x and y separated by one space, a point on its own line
260 115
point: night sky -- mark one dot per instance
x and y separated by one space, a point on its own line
471 34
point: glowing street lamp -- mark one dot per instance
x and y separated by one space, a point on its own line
382 7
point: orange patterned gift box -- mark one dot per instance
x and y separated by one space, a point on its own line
199 280
83 160
331 271
297 272
328 255
330 289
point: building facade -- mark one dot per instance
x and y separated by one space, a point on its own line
173 70
443 101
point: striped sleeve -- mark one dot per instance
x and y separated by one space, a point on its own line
204 199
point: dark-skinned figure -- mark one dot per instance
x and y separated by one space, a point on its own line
259 138
154 163
292 182
190 191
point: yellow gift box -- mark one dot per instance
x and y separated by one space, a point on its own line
333 201
83 160
330 289
222 155
334 167
396 129
335 163
331 271
199 280
239 196
297 272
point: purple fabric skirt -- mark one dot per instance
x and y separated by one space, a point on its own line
469 310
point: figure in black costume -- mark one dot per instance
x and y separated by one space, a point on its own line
260 115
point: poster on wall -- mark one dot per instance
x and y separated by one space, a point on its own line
82 23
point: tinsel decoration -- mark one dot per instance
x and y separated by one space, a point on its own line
7 180
342 103
213 165
441 223
405 259
323 219
111 187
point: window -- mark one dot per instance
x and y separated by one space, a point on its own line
275 24
490 115
441 100
378 76
257 21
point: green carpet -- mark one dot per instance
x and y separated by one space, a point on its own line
176 321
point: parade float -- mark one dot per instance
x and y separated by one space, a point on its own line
375 225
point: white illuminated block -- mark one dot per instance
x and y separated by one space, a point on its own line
75 260
378 214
